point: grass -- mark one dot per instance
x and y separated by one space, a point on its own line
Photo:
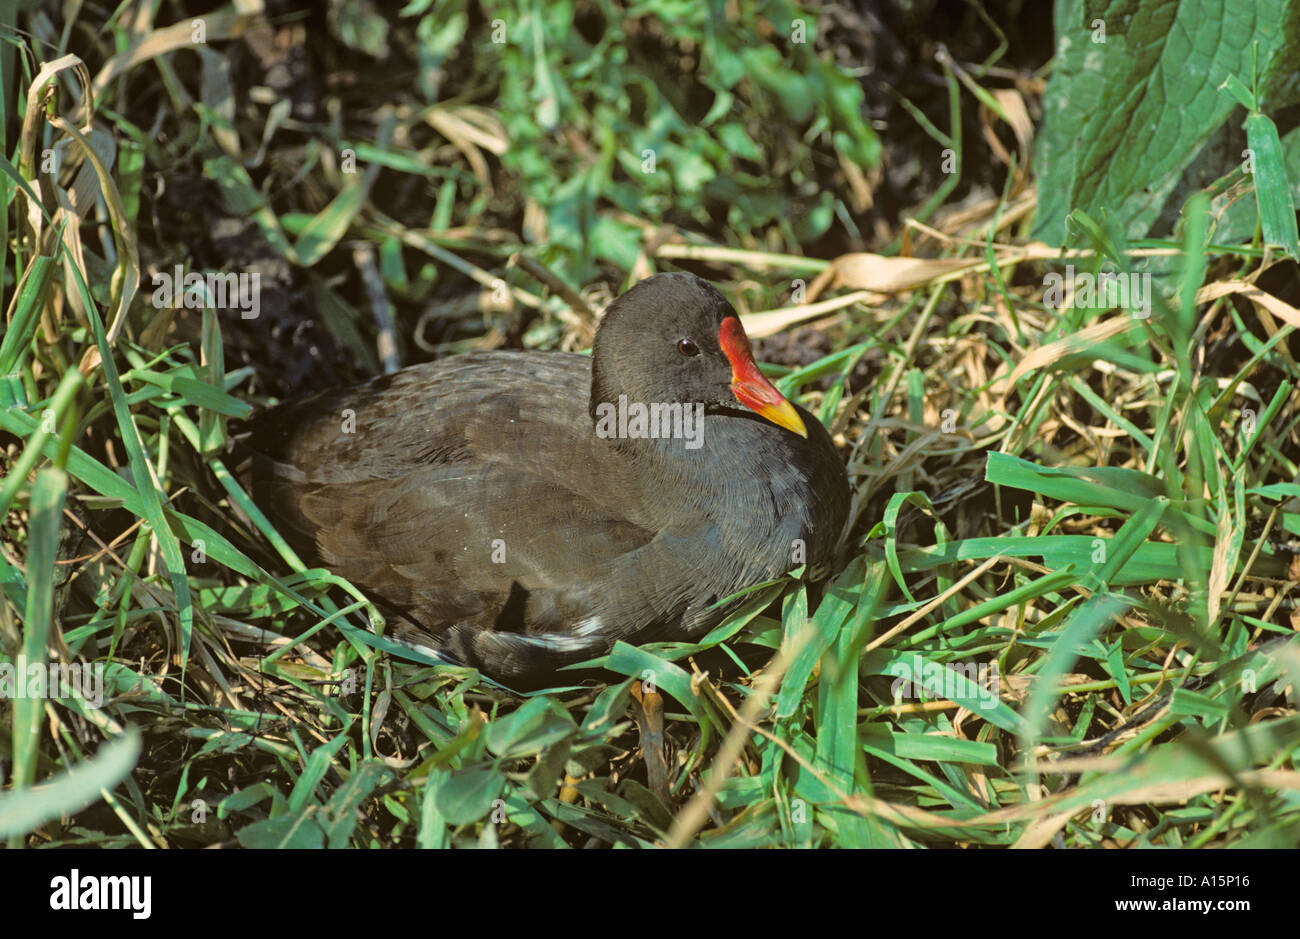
1066 613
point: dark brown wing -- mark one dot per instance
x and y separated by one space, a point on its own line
472 497
468 494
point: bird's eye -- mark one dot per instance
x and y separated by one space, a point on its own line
687 347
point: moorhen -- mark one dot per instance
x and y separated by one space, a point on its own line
520 511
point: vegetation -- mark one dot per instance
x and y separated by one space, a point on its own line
1056 348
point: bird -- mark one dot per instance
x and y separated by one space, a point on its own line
521 511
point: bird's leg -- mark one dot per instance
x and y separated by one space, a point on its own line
648 713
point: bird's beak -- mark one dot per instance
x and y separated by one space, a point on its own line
749 385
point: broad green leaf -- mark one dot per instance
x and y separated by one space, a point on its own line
538 724
284 831
24 810
1272 188
318 765
467 795
1132 102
